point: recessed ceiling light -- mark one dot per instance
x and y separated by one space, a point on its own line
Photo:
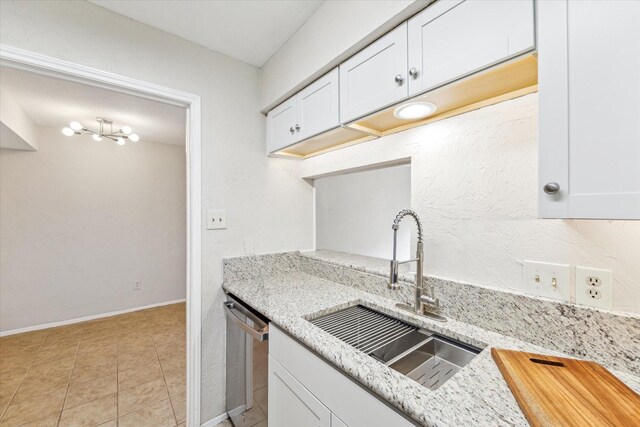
415 110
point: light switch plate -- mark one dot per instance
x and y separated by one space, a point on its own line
547 280
594 287
216 219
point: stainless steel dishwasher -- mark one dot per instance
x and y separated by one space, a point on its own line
247 361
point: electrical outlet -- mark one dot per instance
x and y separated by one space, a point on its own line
216 219
137 285
594 287
547 280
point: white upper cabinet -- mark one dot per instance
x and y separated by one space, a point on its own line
454 38
589 109
312 111
376 77
281 126
317 106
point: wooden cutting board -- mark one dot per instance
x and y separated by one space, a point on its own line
555 391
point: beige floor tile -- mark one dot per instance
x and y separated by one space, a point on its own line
94 370
179 407
32 409
101 345
67 352
16 363
173 362
159 414
134 344
11 378
135 360
92 413
46 421
176 381
107 332
112 423
96 358
139 375
85 392
262 423
138 397
171 349
49 377
251 417
260 397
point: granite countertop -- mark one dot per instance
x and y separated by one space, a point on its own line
476 395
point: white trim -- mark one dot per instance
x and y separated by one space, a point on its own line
86 318
215 421
19 58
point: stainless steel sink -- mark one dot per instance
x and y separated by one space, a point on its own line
422 355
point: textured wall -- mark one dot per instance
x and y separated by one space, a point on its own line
265 199
354 212
474 183
81 221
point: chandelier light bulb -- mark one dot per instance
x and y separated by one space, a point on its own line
134 137
126 130
120 141
68 131
76 126
96 137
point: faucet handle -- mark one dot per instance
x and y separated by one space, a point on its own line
428 300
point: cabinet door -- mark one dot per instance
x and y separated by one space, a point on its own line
454 38
281 122
337 422
589 109
290 404
317 106
375 77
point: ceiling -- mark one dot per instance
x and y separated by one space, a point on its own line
54 102
248 30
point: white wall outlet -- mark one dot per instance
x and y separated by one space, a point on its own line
594 287
137 285
216 219
547 280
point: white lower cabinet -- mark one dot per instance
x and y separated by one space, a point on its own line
290 404
305 391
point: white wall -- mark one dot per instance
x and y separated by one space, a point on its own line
474 184
337 30
354 212
265 199
81 221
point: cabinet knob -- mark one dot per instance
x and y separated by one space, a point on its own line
399 79
413 73
551 188
291 129
297 128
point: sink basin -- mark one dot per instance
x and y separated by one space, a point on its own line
424 356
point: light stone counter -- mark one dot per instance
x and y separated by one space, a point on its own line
476 395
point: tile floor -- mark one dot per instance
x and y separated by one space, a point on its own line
126 370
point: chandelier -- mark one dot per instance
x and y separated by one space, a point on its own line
106 130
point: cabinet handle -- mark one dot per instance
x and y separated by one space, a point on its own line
551 188
297 128
413 73
291 129
399 79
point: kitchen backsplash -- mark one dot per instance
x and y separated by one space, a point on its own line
606 337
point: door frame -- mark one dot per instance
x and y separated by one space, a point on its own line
41 64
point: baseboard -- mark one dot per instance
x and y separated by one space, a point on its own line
215 421
86 318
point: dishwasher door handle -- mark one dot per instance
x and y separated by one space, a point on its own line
261 334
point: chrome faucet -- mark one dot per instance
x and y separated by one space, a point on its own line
422 298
